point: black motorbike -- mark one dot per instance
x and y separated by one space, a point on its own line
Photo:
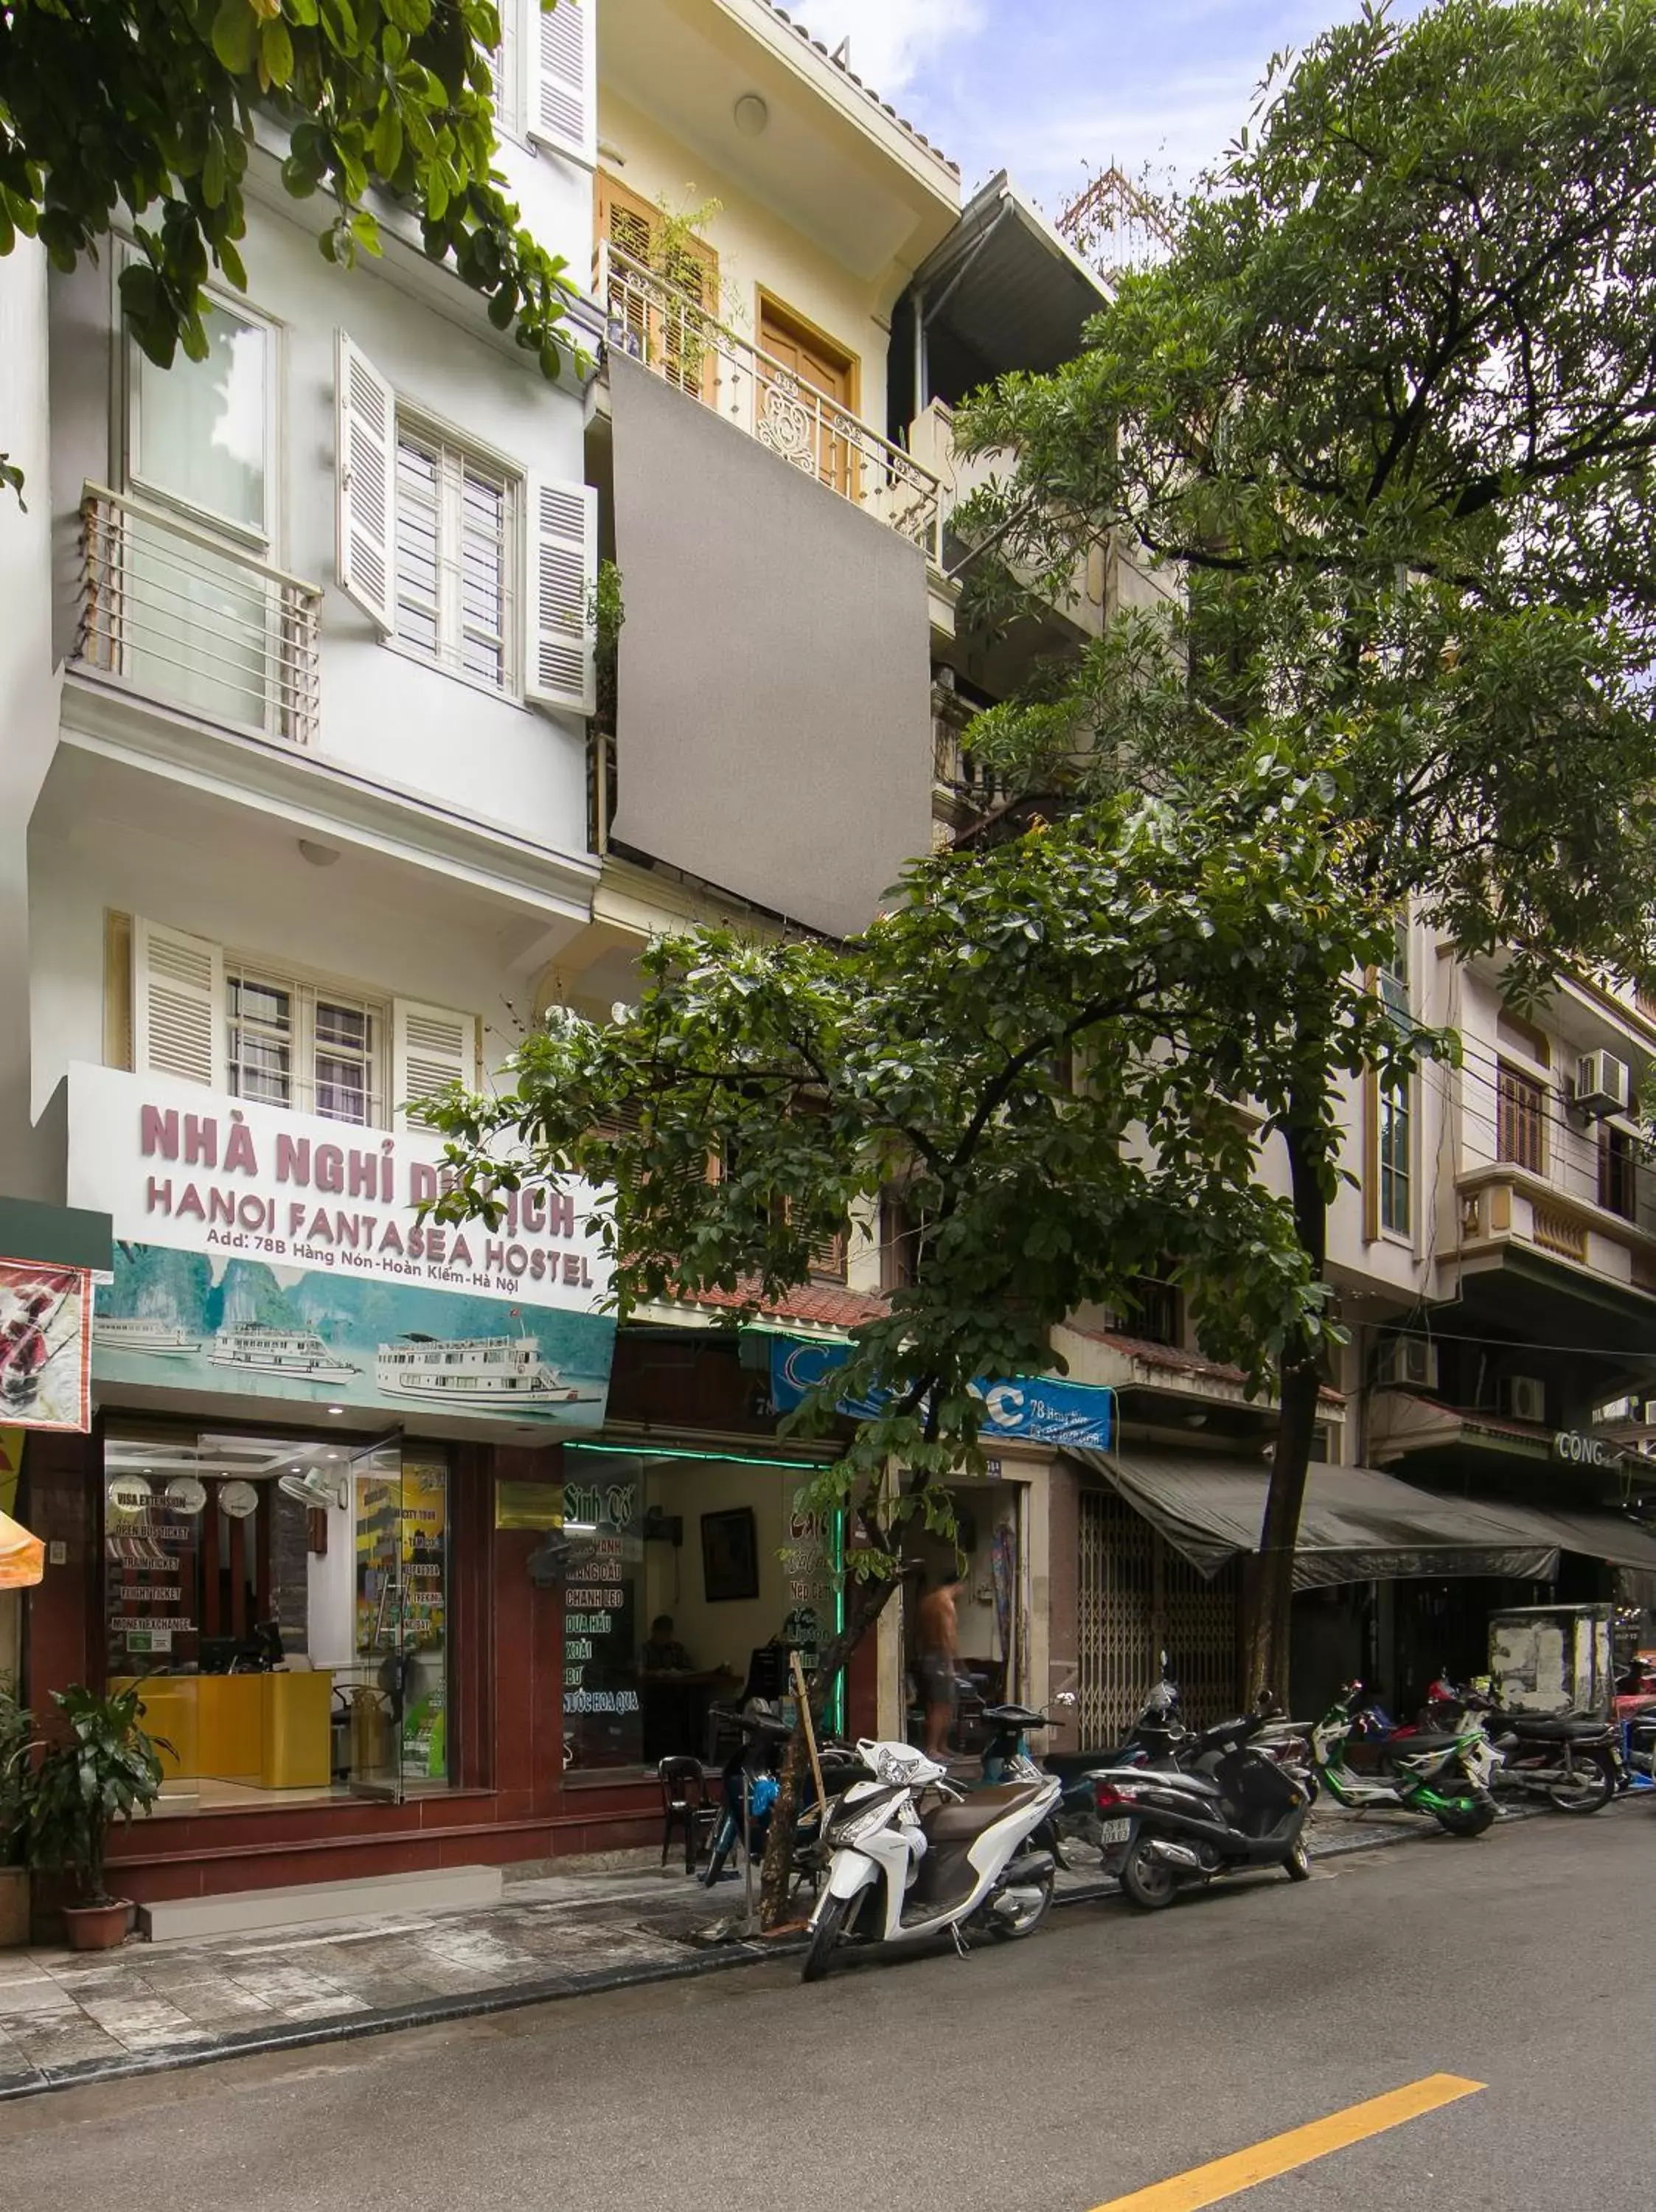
1225 1806
747 1790
1572 1763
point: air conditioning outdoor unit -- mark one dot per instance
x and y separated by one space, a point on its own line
1524 1398
1603 1084
1406 1363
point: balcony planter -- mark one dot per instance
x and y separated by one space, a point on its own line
106 1769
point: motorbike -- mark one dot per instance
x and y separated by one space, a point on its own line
1572 1763
1226 1806
910 1856
1445 1775
748 1787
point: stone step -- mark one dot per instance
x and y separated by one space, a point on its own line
244 1911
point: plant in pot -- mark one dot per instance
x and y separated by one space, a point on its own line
16 1732
106 1768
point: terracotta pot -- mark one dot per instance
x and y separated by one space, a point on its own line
13 1907
96 1927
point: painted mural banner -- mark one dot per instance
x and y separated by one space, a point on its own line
1031 1409
46 1322
285 1256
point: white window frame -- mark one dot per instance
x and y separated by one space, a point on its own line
464 452
264 542
305 992
1397 1175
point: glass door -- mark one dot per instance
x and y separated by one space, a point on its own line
376 1690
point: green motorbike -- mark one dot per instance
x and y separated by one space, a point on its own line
1444 1776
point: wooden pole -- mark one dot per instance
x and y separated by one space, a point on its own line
804 1705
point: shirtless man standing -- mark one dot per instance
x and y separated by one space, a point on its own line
936 1644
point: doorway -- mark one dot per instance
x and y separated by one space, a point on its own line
808 416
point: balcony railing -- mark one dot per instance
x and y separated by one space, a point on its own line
1502 1202
183 618
677 339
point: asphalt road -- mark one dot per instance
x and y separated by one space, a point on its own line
1103 2056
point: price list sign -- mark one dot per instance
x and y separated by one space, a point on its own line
602 1719
152 1543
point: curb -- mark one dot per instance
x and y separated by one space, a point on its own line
438 2012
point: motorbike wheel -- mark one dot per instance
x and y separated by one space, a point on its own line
1009 1930
1593 1789
829 1927
1150 1883
1467 1819
1297 1865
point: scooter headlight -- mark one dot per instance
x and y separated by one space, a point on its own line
851 1822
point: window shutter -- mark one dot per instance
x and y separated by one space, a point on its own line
560 666
431 1048
365 465
563 72
178 1020
503 66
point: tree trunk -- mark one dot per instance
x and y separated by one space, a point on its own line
865 1602
1271 1584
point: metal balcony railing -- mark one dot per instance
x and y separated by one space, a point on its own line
186 620
677 340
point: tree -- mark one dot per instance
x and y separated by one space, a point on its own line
763 1094
150 104
1383 421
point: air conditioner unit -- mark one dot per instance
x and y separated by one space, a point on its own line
1408 1363
1524 1398
1603 1084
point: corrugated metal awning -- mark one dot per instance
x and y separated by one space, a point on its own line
1358 1524
1008 286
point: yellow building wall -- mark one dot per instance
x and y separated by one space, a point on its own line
756 248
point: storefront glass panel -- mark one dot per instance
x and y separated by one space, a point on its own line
283 1602
690 1578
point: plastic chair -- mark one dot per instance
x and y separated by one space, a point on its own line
684 1804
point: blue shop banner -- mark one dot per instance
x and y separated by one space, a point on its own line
1032 1409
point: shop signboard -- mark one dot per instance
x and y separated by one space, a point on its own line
46 1321
1030 1409
288 1257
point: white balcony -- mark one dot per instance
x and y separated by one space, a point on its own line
676 338
185 620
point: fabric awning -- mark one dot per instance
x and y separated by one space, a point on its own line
1357 1525
1597 1536
22 1557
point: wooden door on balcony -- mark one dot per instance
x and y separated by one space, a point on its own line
663 292
807 415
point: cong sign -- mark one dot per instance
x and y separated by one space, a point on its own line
1578 1449
285 1257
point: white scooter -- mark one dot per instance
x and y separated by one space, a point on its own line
899 1875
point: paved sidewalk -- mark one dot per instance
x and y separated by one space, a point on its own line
68 2017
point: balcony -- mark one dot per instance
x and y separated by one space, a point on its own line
1505 1205
180 619
676 338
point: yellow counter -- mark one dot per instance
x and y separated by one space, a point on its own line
298 1745
270 1731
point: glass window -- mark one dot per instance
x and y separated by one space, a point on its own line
1396 1156
201 429
284 1607
688 1580
454 522
292 1044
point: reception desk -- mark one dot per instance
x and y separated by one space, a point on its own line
265 1731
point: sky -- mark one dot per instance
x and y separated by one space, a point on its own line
1046 88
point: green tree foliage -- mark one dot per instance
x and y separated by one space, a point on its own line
151 106
1381 426
1049 1051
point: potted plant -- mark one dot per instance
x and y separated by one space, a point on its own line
108 1768
16 1727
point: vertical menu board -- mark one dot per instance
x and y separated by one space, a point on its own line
152 1551
603 1725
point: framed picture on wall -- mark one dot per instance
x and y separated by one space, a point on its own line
729 1554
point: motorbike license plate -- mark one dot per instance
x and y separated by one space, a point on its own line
1114 1831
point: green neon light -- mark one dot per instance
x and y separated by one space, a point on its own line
711 1458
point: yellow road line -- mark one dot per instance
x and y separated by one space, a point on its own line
1246 2169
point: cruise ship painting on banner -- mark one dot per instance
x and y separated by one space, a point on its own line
285 1258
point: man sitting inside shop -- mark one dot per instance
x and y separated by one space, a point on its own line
664 1654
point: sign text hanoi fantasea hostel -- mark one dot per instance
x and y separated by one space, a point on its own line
321 1270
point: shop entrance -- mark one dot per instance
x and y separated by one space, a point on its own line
987 1554
282 1604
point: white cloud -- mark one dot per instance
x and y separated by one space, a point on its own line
892 41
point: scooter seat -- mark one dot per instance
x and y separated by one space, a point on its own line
1561 1731
959 1824
1404 1746
1019 1716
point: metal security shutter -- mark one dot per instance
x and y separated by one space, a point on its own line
179 1026
364 465
1201 1635
432 1047
560 659
1113 1600
563 101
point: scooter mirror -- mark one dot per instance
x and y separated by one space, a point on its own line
1067 1698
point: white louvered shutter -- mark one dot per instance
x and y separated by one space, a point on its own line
365 465
503 63
180 1022
432 1047
562 80
559 669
